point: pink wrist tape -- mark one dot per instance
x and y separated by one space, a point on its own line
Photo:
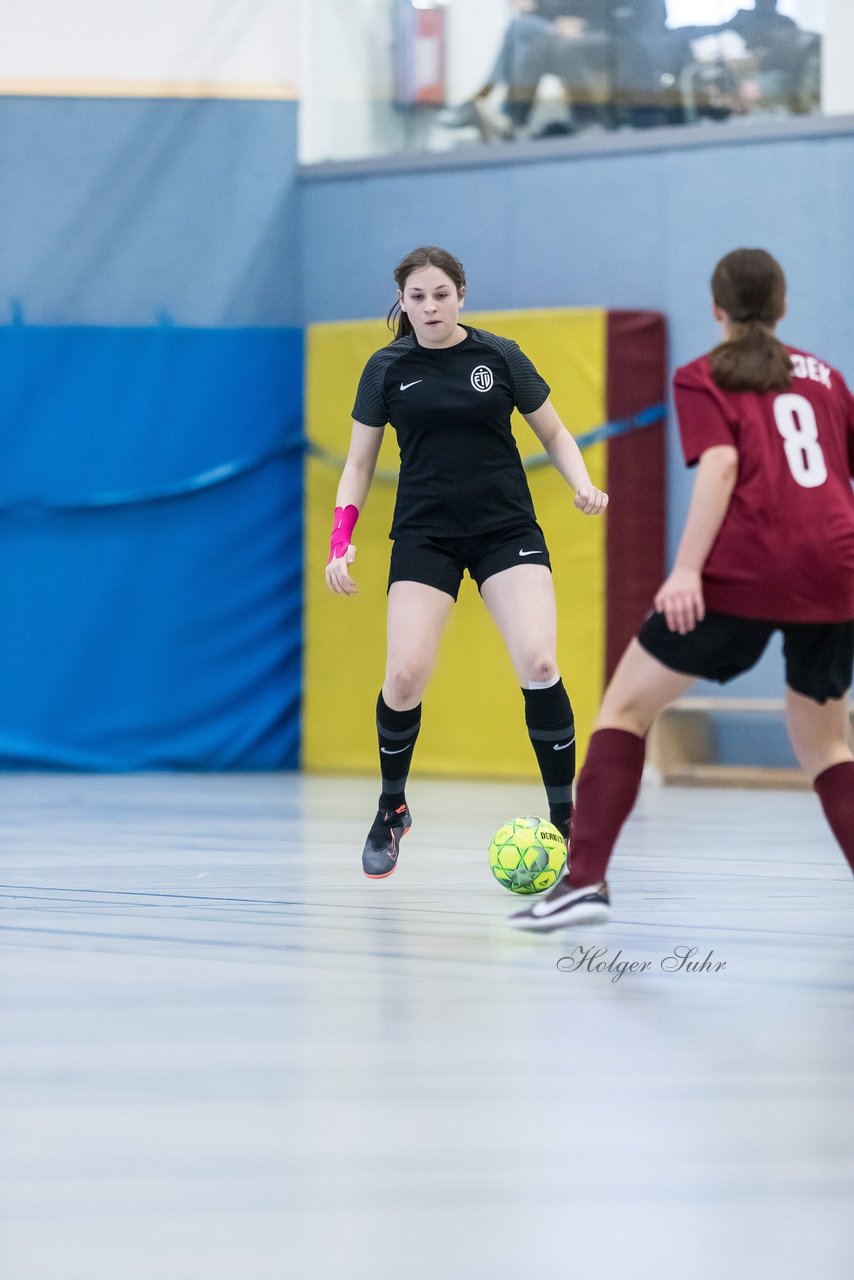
342 530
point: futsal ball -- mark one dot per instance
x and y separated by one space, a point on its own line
527 855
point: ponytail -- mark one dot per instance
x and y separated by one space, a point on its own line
749 285
751 359
399 323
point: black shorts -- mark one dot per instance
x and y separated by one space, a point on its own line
441 562
819 655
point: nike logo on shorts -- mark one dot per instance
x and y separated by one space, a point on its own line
404 386
530 553
388 752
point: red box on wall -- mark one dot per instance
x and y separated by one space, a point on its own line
419 55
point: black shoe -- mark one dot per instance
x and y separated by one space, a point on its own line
563 906
379 856
555 129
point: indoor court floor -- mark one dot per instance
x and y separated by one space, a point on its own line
226 1055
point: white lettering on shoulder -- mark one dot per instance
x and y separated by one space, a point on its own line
809 367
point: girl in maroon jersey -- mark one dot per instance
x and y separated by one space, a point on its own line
768 545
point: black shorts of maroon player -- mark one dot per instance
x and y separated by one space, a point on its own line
441 562
819 656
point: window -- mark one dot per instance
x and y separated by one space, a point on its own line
385 76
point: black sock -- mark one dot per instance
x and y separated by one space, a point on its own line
551 728
397 732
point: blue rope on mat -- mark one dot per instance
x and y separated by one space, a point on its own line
200 483
228 471
646 418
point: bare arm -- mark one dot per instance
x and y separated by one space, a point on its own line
680 598
353 489
355 482
566 457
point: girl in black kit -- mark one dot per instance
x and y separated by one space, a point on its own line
462 503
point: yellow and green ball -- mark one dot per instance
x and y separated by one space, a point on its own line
527 855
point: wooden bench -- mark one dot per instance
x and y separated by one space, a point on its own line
682 749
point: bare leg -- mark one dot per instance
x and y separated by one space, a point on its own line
521 601
417 615
416 619
818 732
640 688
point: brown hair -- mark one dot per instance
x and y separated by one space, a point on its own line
749 285
427 255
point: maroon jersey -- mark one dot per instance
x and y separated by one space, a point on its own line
785 550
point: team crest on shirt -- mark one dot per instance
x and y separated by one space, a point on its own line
481 378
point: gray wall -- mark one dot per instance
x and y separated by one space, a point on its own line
129 211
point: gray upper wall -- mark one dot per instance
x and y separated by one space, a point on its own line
119 211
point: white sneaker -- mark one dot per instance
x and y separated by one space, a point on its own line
493 124
563 906
459 117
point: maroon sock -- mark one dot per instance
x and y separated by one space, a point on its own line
605 796
835 788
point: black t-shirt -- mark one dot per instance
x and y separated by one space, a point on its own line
758 26
460 470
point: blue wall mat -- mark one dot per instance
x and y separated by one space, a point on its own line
150 548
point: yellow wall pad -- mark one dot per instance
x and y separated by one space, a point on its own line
37 88
473 720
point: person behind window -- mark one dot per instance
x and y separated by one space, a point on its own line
567 38
781 64
762 25
646 61
779 50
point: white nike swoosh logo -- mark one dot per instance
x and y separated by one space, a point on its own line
404 386
387 752
548 908
562 746
530 553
